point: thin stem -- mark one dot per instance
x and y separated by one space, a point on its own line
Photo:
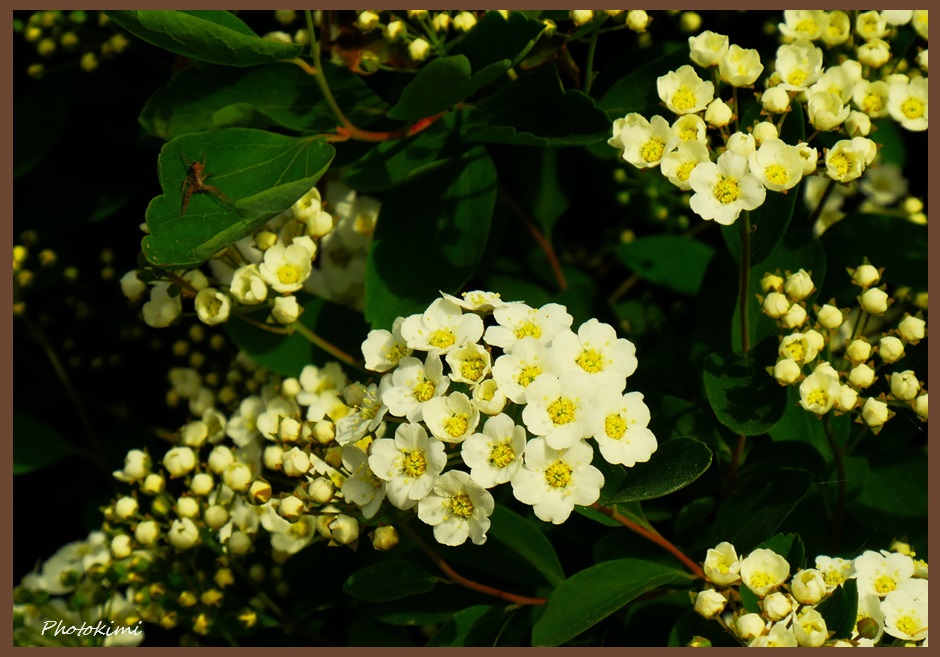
320 77
592 47
280 330
460 580
693 567
744 296
329 347
838 516
735 465
539 237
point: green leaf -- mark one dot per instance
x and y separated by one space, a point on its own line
749 600
217 37
516 114
495 38
442 84
674 465
260 172
288 354
890 137
840 610
36 444
39 120
474 626
744 397
637 91
273 95
392 163
764 498
430 238
595 593
519 535
895 491
389 580
798 424
673 261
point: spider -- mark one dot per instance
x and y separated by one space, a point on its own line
195 183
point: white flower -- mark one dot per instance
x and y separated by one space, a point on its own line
644 142
488 398
452 418
595 349
810 160
285 268
809 628
777 164
689 127
778 605
620 423
808 586
763 571
871 97
904 385
413 384
722 565
517 320
553 481
678 165
212 306
871 25
819 391
458 508
826 111
248 286
383 350
560 408
724 189
907 103
707 48
683 91
740 67
919 21
469 363
803 24
242 426
362 487
835 570
779 636
838 29
476 300
419 49
874 53
132 287
905 617
798 347
367 414
847 159
410 464
880 573
495 455
799 65
442 327
885 184
162 308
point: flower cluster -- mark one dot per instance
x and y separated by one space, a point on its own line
735 174
271 266
840 384
510 392
84 37
892 597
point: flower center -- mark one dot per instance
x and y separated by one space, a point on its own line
558 474
818 398
652 151
873 103
884 585
591 361
414 464
300 529
797 351
396 352
842 163
913 108
727 190
456 425
288 274
796 77
683 172
561 411
530 329
688 134
760 580
776 174
461 505
441 338
472 368
834 577
615 426
502 455
683 99
527 375
807 27
908 625
424 390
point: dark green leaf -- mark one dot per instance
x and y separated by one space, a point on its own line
430 238
744 397
520 536
674 465
39 121
673 261
217 37
596 516
691 625
749 600
593 594
896 489
840 610
495 38
474 626
392 163
798 424
441 84
279 94
261 173
36 444
857 471
389 580
516 114
637 91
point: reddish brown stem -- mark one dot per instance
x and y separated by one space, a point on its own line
539 237
460 580
693 567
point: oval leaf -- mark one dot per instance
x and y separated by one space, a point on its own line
673 261
441 84
744 397
36 444
217 37
389 580
255 175
637 91
674 465
475 626
840 610
520 536
593 594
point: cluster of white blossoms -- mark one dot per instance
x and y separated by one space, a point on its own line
68 591
486 392
733 171
268 267
842 384
892 598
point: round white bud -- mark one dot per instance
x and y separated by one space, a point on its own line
296 462
344 529
866 275
290 508
384 538
718 114
874 412
237 476
125 507
749 626
637 20
874 301
775 305
220 458
147 532
238 543
786 371
858 351
709 603
904 385
273 457
771 283
419 49
920 407
202 484
763 131
777 606
861 376
912 328
290 387
183 534
153 484
794 317
890 349
830 317
215 516
775 100
187 507
321 490
808 586
324 431
847 398
799 285
179 461
121 546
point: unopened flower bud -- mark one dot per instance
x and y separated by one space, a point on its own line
799 286
153 484
237 476
288 430
874 301
215 516
384 538
891 349
912 329
147 533
419 49
125 507
875 413
866 275
858 351
749 626
637 20
286 310
344 529
763 131
121 546
187 507
464 21
794 317
862 376
260 491
775 100
202 484
394 31
324 431
777 606
179 461
775 305
858 124
224 577
296 462
238 543
808 586
220 458
830 317
718 114
367 21
920 407
904 385
321 490
709 603
847 398
183 534
581 16
771 283
786 371
290 508
273 457
290 387
441 22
